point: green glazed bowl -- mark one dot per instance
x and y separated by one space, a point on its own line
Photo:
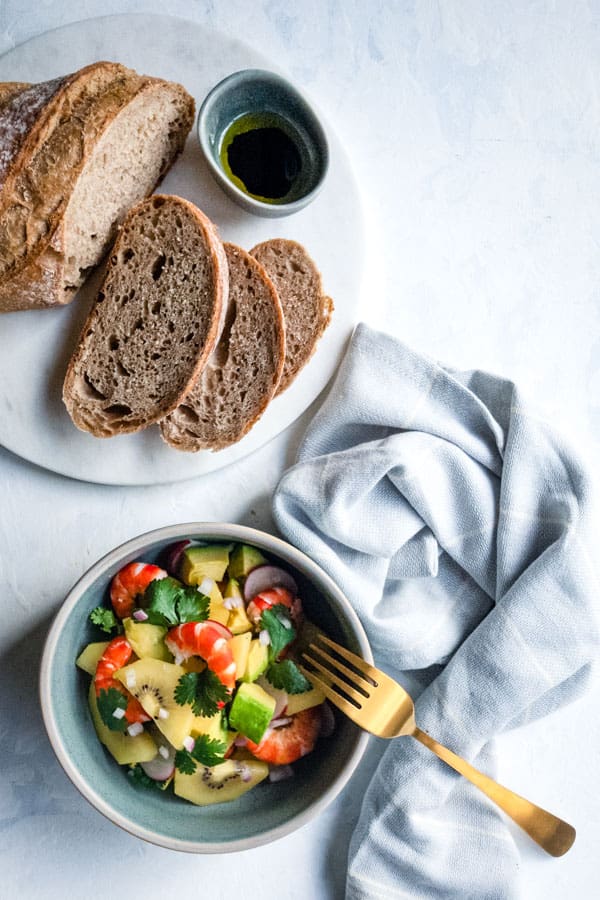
259 92
269 811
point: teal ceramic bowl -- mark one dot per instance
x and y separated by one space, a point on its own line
268 100
269 811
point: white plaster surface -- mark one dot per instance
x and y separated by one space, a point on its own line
473 128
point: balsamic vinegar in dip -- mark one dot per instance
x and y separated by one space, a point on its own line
260 157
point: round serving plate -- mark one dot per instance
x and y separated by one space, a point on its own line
35 345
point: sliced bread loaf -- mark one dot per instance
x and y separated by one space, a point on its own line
75 154
242 375
157 318
306 310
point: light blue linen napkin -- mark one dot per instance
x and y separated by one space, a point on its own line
463 530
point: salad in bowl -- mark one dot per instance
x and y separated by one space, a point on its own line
197 687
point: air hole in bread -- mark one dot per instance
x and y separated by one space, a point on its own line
156 308
91 390
158 266
138 325
127 255
158 202
117 410
155 356
122 370
113 342
187 412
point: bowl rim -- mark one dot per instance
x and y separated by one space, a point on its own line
247 200
221 530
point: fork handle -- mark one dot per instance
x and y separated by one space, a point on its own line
550 832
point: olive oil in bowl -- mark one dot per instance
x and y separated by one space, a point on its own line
260 156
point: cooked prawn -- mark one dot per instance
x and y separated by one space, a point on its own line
117 655
210 641
284 745
273 597
130 583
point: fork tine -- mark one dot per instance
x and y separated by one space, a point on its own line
348 689
337 666
363 667
344 705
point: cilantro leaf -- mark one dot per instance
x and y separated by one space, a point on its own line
211 694
287 676
168 602
203 691
192 606
160 600
207 751
185 691
104 619
185 762
108 702
276 621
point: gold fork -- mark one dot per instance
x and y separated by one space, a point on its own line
378 704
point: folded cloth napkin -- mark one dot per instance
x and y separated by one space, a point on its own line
462 528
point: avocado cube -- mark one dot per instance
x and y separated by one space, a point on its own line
243 559
258 660
199 563
251 711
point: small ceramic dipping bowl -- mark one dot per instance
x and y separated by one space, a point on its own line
263 143
270 810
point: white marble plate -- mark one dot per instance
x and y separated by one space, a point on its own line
36 345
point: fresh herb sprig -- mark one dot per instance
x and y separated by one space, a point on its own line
108 702
167 602
283 674
203 691
207 751
286 676
105 619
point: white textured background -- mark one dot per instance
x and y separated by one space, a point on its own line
474 131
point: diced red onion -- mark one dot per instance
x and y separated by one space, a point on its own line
327 726
279 723
189 743
264 637
119 713
163 751
135 728
285 622
280 773
140 615
206 586
262 578
241 740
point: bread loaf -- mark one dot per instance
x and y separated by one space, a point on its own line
75 154
306 309
242 375
157 319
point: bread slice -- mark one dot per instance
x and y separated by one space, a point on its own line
75 154
242 375
157 318
306 310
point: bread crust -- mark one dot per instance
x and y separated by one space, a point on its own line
32 268
219 301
